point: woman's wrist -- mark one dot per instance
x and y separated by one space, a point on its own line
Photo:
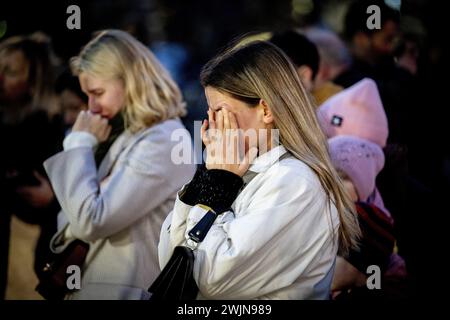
220 189
77 139
191 191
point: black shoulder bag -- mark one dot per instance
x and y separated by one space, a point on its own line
52 278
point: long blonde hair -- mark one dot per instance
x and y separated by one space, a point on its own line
151 94
260 70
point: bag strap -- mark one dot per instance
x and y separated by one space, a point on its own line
200 230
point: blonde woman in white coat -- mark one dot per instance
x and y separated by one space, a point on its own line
277 238
118 208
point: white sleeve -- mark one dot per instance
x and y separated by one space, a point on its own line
172 231
139 183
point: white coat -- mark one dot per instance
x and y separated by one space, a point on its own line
118 209
280 242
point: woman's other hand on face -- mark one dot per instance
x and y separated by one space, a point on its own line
221 136
93 124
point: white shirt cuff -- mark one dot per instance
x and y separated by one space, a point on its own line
77 139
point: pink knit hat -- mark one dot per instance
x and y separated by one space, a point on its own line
360 159
356 111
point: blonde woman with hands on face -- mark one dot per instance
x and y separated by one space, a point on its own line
282 213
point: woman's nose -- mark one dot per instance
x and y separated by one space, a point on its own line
93 106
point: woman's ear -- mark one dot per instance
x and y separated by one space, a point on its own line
267 116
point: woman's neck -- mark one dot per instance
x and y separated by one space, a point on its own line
270 141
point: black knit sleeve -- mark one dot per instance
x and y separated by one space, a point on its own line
191 192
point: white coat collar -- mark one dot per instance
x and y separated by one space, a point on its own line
266 160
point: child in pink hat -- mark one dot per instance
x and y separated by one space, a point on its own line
356 111
358 162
